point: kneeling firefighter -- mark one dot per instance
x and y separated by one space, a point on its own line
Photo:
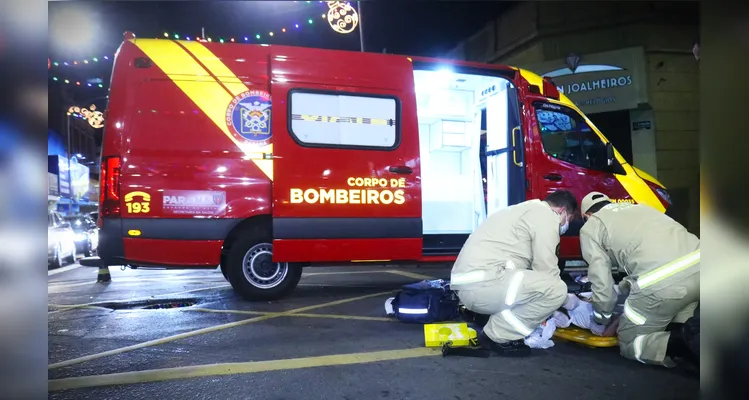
662 261
508 269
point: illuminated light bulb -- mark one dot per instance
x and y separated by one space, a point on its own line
257 36
67 81
54 78
187 37
85 61
283 30
324 16
310 20
106 57
96 59
221 40
65 63
166 34
100 85
271 33
296 25
246 38
78 83
75 62
89 85
176 36
232 40
209 39
55 63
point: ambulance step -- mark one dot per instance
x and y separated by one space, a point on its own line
443 244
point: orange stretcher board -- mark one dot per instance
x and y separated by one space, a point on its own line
585 337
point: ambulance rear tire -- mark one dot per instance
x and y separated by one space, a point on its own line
253 274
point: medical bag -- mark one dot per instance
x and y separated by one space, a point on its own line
426 302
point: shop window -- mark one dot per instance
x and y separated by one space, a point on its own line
333 119
566 136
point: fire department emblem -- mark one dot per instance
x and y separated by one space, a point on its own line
248 117
218 199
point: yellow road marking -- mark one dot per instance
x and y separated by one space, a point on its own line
206 330
410 274
281 314
196 371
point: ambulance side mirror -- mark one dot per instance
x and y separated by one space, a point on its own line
609 154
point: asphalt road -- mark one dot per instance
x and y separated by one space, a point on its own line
329 340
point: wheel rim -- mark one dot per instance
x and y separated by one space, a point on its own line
260 270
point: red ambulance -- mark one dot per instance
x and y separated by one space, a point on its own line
264 159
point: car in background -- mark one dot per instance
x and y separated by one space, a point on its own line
60 241
86 234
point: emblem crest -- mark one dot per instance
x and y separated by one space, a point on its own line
248 117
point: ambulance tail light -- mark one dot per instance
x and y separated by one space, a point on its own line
550 88
109 197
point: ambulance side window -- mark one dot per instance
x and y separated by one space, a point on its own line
566 136
344 120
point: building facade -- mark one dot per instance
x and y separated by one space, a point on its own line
628 65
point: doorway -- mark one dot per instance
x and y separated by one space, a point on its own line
615 125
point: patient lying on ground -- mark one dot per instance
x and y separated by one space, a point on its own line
580 313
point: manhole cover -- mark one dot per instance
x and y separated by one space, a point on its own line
151 304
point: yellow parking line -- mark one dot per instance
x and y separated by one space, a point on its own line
410 274
281 314
197 371
206 330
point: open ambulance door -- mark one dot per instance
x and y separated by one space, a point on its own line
346 183
505 164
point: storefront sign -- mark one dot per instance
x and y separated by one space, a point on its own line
601 82
641 125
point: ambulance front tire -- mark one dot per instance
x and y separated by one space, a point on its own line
251 272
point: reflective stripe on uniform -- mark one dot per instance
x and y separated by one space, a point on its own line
668 270
602 315
638 347
515 323
633 315
413 310
512 291
475 276
468 277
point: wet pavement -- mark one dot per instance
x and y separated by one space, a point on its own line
329 340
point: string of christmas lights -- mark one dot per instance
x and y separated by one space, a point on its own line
255 38
94 83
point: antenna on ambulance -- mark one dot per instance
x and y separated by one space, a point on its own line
202 32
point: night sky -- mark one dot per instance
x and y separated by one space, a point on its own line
405 27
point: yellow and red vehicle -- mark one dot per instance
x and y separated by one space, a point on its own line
265 159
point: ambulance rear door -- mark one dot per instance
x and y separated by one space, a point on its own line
346 180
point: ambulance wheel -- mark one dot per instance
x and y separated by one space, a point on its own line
254 275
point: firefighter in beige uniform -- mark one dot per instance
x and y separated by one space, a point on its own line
508 269
661 259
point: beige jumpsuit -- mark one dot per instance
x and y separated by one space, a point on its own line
508 269
661 259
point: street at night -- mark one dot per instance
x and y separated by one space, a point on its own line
330 340
365 200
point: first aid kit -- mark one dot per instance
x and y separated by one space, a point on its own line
425 302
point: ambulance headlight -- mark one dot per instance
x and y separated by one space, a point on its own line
664 195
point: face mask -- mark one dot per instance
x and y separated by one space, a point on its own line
563 228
